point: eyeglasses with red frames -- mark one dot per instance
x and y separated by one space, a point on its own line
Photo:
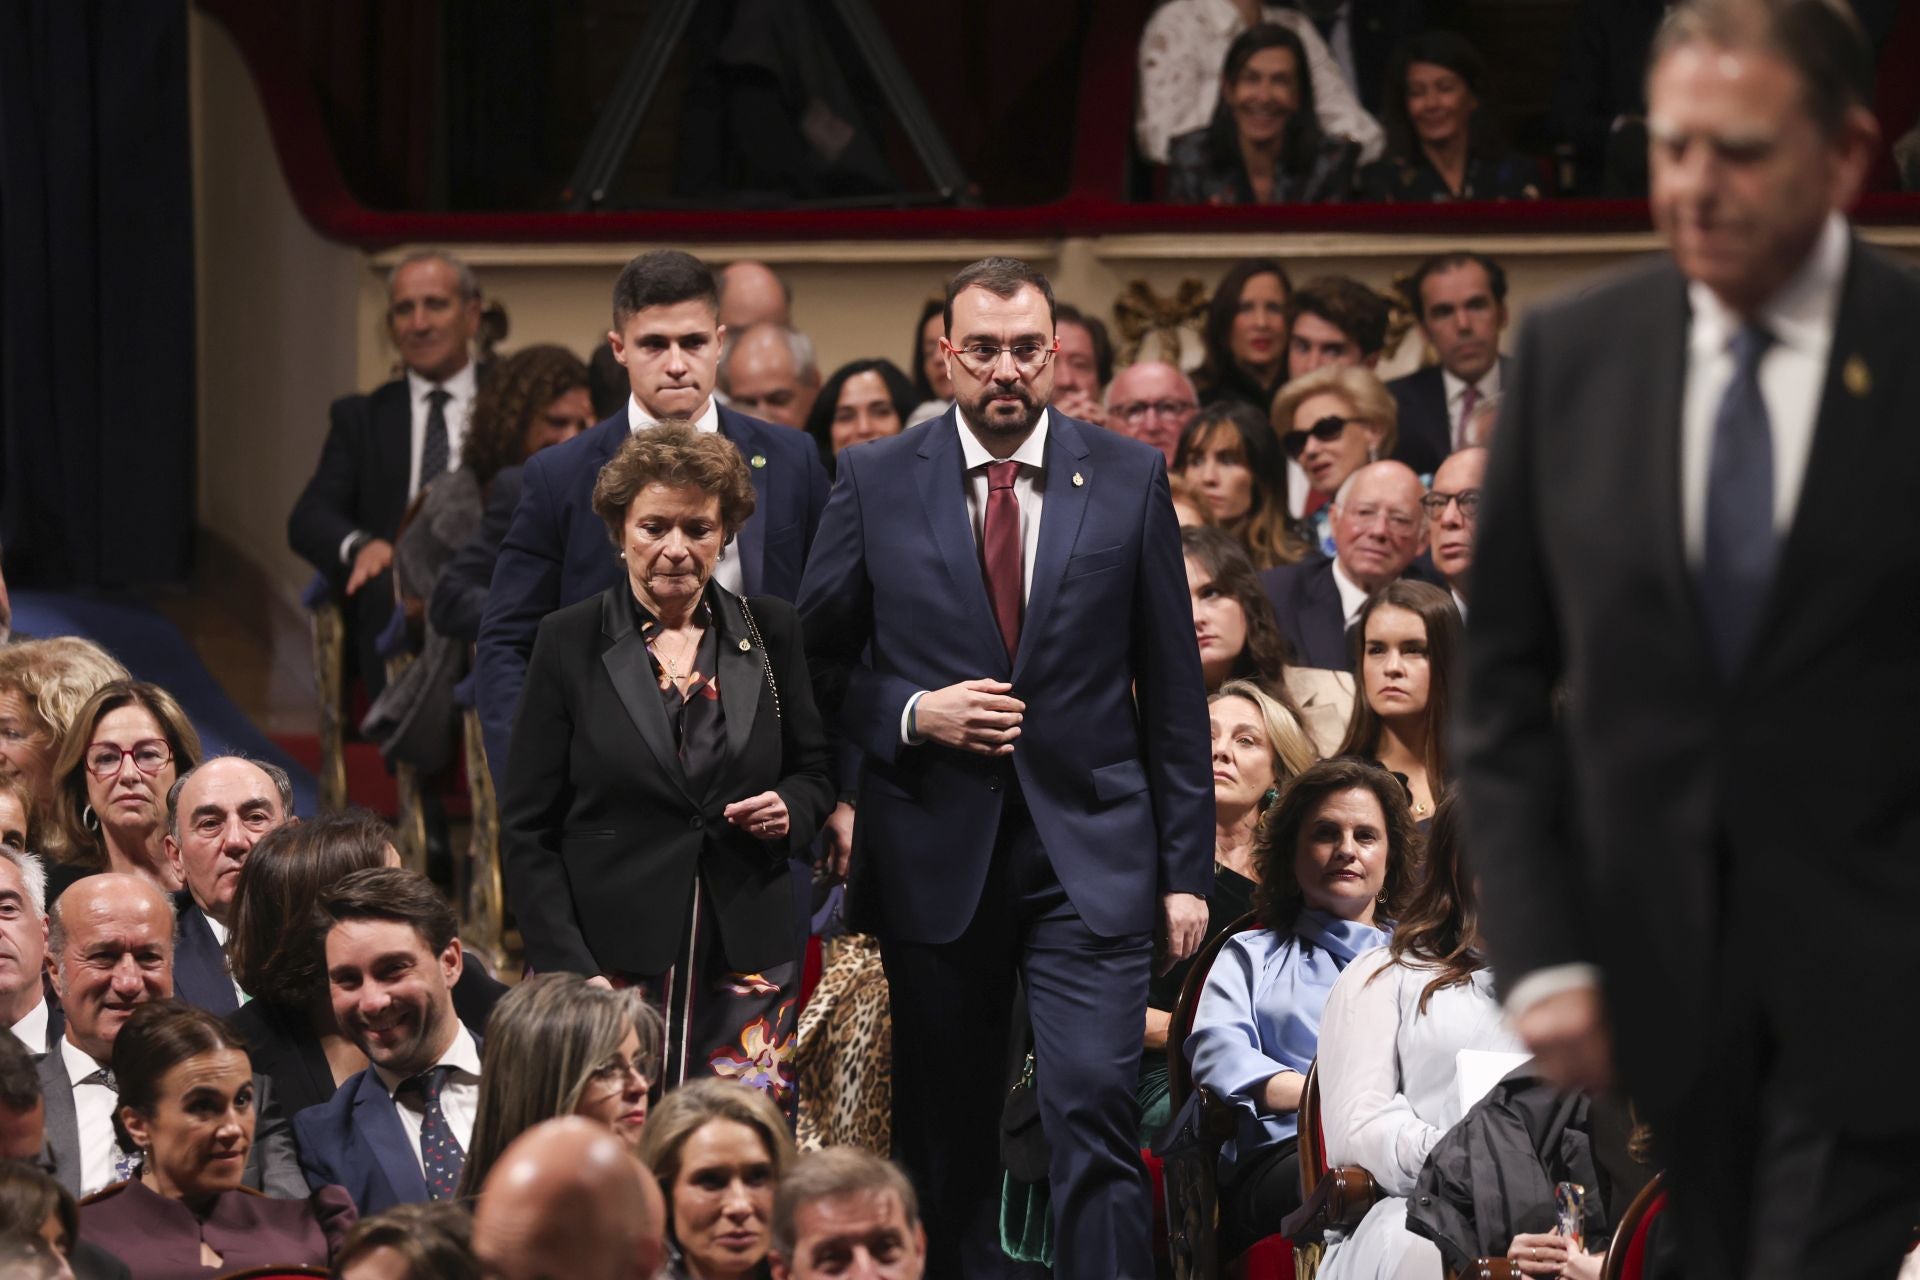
149 756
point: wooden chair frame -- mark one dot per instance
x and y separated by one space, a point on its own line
1629 1226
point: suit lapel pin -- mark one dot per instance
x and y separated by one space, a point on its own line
746 646
1856 377
758 459
1078 479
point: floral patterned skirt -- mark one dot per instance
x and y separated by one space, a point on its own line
738 1026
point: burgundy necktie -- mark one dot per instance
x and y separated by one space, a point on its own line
1001 551
1469 401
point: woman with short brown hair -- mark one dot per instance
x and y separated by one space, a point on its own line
667 761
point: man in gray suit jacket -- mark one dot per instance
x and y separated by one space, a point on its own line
112 949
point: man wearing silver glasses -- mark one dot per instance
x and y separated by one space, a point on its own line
995 613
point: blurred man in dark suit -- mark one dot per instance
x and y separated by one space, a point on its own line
1687 588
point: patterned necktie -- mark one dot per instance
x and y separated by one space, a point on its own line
1469 401
126 1163
434 452
1000 552
441 1156
1736 565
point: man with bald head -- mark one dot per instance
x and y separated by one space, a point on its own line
1379 528
1153 402
110 950
1453 515
769 371
751 293
566 1198
216 812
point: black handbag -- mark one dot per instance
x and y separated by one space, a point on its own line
1023 1142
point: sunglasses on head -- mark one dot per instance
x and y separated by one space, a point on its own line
1327 430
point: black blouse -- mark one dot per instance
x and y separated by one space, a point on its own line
699 724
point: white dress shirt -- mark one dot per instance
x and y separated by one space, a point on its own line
1029 489
727 572
1792 372
460 389
31 1029
1800 317
459 1099
1456 391
220 936
93 1106
1353 596
1181 51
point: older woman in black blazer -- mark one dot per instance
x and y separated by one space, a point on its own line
667 760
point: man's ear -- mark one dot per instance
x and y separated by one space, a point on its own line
452 961
173 857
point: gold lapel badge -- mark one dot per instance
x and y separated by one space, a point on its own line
1856 377
1079 479
758 459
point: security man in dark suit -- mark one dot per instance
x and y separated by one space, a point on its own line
1694 578
383 448
668 336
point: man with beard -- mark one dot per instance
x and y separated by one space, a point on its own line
996 614
398 1131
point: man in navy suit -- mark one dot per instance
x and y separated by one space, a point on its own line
397 1132
668 336
1460 300
996 616
1379 530
216 812
383 448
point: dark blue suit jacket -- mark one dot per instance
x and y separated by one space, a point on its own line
1426 430
556 551
1113 754
356 1141
200 974
1306 604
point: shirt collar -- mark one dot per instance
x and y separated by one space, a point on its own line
1352 594
637 417
31 1030
461 386
1455 387
1801 312
218 930
1031 453
462 1055
78 1062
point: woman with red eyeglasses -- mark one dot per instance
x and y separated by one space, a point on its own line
1333 421
116 763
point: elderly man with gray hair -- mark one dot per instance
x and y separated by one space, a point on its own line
216 813
770 371
23 926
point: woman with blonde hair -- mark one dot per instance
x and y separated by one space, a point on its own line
1332 422
43 684
719 1150
557 1046
1258 746
116 763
